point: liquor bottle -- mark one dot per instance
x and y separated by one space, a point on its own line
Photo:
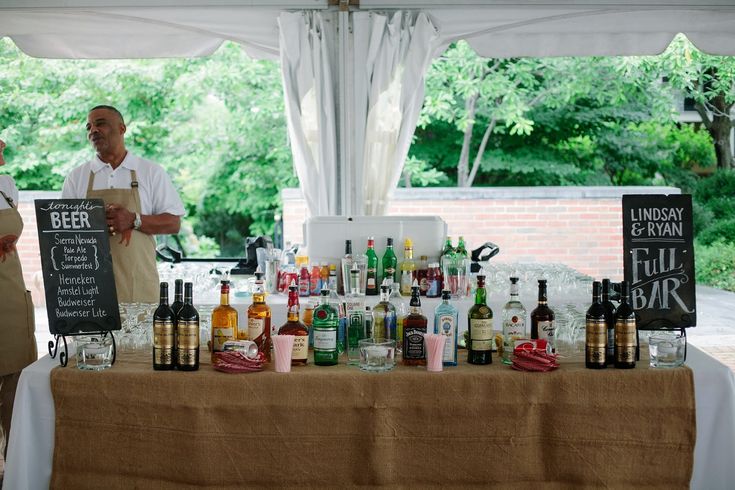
434 280
332 284
293 326
307 320
339 307
163 333
259 320
401 312
325 325
187 333
384 316
461 248
595 345
408 268
371 288
414 329
609 321
224 320
304 280
323 277
446 322
514 321
625 330
422 275
542 317
315 285
390 263
178 296
447 251
480 326
347 260
355 310
368 322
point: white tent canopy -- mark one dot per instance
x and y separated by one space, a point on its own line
387 35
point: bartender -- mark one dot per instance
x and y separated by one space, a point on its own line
17 339
140 202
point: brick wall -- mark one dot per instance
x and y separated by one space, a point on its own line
577 226
30 255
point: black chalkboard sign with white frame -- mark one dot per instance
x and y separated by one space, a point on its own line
77 266
659 260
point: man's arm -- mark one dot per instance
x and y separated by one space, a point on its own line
121 219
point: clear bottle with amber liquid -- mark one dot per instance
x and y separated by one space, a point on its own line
224 320
414 329
625 330
163 333
187 333
595 346
480 327
259 319
293 326
542 317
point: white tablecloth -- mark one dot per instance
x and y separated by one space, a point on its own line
32 435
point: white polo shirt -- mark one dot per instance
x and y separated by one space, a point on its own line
7 185
157 192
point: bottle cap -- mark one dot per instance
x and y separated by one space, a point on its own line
408 243
389 241
514 280
446 294
325 292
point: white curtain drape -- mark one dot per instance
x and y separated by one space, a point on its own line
391 53
308 85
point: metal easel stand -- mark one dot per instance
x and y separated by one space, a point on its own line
53 345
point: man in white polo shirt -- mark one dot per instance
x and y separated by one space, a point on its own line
140 201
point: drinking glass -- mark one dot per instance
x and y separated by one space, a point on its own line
94 352
377 355
667 349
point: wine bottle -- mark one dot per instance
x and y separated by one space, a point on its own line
595 347
163 333
625 330
178 296
609 321
187 333
480 327
542 317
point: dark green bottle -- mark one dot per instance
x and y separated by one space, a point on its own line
480 327
390 264
325 321
371 289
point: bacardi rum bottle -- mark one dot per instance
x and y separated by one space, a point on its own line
514 322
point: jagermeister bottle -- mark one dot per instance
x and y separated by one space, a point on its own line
480 327
625 330
325 323
163 333
187 333
595 346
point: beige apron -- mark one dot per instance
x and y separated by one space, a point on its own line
17 339
133 252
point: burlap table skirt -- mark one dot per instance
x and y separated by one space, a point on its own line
132 427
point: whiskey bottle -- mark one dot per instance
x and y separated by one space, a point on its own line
422 274
389 263
609 321
187 333
542 317
595 346
480 327
514 321
625 330
414 329
446 322
325 324
300 352
355 310
384 316
163 333
372 289
408 268
259 320
224 320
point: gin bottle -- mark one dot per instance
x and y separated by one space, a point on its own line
355 307
325 323
446 322
514 321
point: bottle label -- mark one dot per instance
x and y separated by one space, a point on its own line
546 331
220 335
406 282
372 273
596 340
256 326
356 328
447 327
389 272
625 341
163 342
414 343
325 340
187 342
300 347
433 288
481 333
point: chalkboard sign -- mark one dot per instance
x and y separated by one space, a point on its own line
659 260
77 266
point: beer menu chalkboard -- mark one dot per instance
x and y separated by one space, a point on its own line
77 266
659 260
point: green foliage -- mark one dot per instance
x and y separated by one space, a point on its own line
715 264
714 208
216 124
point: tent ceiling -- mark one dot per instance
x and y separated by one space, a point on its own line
168 28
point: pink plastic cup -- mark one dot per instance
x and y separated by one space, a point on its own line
434 352
283 347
